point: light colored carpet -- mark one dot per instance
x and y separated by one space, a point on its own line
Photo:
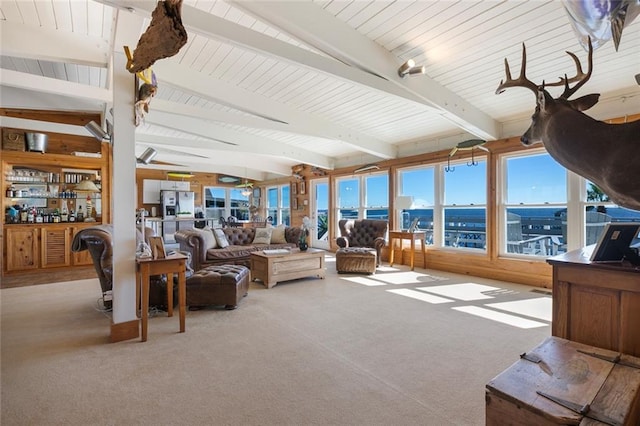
396 348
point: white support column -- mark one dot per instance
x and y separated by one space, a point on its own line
124 192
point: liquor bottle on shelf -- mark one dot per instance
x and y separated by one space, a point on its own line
72 216
56 216
80 215
31 217
39 216
64 216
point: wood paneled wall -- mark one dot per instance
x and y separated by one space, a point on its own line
197 184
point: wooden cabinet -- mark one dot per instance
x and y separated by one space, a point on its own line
174 185
30 247
151 189
22 249
37 247
596 304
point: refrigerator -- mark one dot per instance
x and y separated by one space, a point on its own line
176 207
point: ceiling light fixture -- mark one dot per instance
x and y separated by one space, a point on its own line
97 131
366 168
147 156
410 68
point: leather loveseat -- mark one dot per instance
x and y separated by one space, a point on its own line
205 253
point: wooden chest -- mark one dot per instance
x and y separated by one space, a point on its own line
561 382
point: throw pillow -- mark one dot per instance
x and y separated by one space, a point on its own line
221 239
208 237
262 236
277 235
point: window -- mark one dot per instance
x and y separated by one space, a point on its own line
464 205
278 199
361 197
376 196
239 204
599 211
418 184
534 216
225 202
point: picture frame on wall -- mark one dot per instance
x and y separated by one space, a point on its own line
256 193
294 188
294 204
303 187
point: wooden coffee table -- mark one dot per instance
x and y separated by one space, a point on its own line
274 268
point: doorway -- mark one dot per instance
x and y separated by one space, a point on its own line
320 213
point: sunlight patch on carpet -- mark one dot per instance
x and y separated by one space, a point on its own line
536 308
383 268
407 277
464 291
420 296
500 317
364 281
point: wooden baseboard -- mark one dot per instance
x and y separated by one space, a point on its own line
47 276
125 331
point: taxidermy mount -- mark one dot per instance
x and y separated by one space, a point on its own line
606 154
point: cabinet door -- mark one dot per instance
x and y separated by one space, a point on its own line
151 191
169 185
56 247
22 249
182 186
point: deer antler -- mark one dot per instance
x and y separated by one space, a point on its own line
580 76
522 80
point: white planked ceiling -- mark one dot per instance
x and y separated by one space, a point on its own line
309 81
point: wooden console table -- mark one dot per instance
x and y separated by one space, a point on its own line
412 236
174 264
596 303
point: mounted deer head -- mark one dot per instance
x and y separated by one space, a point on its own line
606 154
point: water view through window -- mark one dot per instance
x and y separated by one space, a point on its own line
532 204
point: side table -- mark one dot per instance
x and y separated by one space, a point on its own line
412 236
174 264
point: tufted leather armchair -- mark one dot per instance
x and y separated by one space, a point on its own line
98 240
363 233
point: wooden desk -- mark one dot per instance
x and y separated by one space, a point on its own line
174 264
596 304
412 236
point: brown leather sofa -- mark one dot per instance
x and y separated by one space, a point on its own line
369 233
237 253
98 240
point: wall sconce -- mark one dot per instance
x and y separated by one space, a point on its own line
97 131
410 68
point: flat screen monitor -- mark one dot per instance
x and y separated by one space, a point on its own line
614 243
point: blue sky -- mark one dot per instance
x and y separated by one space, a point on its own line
534 179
